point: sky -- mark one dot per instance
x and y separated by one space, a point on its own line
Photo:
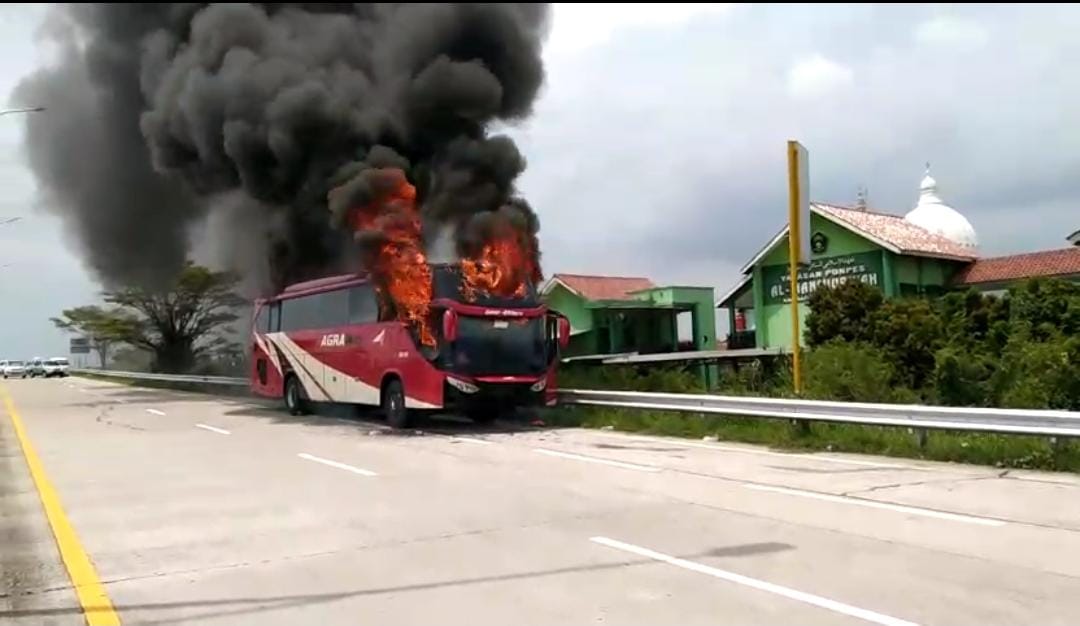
657 146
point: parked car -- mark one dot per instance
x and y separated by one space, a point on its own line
56 366
35 367
13 369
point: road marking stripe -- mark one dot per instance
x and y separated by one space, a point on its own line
592 459
348 468
155 411
953 517
220 431
96 606
722 448
480 442
739 579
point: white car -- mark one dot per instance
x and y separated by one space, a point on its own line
55 367
12 369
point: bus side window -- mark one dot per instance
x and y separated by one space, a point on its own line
275 317
292 314
363 309
332 309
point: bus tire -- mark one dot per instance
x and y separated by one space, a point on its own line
393 404
295 402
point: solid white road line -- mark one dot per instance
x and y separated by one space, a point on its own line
348 468
592 459
480 442
739 579
900 508
723 448
155 411
220 431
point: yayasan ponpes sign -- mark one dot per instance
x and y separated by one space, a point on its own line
831 271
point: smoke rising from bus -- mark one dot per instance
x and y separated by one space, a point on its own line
158 112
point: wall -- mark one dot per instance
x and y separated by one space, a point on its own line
583 341
566 302
701 302
928 276
773 321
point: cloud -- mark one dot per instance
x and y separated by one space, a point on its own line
661 152
949 31
577 27
817 76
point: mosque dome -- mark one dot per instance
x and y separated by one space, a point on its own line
932 214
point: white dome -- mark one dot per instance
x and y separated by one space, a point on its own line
932 214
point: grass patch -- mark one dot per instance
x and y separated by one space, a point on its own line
1005 451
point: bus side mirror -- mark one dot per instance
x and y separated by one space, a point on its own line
564 333
449 325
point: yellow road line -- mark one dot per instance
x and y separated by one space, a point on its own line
97 608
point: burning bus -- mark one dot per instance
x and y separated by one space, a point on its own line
408 334
333 340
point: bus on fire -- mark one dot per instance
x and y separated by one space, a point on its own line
335 340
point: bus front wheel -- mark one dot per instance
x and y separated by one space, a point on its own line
393 404
294 397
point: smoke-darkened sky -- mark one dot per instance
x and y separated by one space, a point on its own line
656 145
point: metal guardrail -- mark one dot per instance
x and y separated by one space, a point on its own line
1005 421
171 378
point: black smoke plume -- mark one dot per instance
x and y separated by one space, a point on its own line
158 111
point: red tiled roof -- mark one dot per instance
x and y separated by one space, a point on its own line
604 287
1019 266
897 232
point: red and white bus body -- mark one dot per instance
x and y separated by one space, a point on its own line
329 335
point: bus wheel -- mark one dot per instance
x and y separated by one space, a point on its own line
294 397
393 404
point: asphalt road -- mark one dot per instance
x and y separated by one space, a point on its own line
221 511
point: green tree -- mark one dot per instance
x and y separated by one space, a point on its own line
843 313
103 327
975 322
1042 308
909 331
179 324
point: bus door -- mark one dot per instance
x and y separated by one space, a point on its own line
265 370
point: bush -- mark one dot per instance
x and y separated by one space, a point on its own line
849 373
909 332
1040 375
962 379
630 378
842 313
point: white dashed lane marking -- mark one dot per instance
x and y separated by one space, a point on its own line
754 583
341 466
220 431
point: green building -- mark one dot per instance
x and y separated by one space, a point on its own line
615 315
930 250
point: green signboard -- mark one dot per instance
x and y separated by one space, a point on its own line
831 271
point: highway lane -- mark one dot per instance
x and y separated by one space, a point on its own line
211 510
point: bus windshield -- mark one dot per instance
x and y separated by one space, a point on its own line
496 346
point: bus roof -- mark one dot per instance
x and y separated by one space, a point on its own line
328 283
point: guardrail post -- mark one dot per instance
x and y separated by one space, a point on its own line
802 427
921 436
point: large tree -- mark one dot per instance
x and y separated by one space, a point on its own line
103 327
187 320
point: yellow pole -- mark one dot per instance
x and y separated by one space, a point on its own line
794 242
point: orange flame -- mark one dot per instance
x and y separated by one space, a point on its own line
399 264
503 268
